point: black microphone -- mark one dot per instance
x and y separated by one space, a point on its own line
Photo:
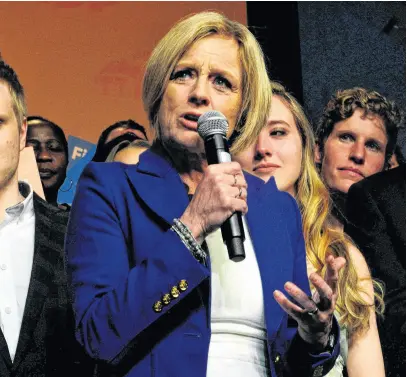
212 128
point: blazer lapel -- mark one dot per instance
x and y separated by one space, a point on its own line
159 186
265 223
41 274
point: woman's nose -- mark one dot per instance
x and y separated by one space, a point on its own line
44 155
200 93
263 146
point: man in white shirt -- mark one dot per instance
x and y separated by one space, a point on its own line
36 319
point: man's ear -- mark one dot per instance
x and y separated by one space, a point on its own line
23 134
390 163
317 154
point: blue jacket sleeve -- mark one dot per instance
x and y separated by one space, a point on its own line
114 290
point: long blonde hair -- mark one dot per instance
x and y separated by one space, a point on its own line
320 236
256 93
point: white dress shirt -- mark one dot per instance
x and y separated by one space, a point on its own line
17 233
238 345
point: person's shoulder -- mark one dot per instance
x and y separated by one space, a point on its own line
381 180
51 224
269 187
108 180
104 169
52 213
362 271
104 173
359 261
283 200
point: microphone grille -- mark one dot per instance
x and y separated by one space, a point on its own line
212 122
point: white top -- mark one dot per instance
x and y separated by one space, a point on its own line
16 258
238 341
340 363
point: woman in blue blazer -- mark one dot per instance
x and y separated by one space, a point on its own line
154 294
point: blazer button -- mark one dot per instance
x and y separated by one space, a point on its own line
174 292
166 299
158 306
277 359
183 285
319 370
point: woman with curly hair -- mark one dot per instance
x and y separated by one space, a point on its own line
284 149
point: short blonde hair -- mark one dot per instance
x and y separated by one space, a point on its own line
256 96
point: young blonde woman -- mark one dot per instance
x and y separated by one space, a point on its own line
284 149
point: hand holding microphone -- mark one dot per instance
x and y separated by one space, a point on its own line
220 198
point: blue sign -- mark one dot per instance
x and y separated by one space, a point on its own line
79 149
80 153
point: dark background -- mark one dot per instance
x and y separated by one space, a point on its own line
316 48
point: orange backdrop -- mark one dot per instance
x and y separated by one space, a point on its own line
82 63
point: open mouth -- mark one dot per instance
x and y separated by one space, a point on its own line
190 121
191 117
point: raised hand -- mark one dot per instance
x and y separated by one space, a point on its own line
314 315
221 192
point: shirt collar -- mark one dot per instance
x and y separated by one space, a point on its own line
24 209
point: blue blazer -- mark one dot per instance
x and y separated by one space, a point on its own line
123 257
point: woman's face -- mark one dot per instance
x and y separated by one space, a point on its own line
278 150
207 77
50 155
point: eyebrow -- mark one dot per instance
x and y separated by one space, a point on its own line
371 138
274 122
5 115
212 69
381 143
30 140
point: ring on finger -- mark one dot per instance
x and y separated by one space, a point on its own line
313 312
240 193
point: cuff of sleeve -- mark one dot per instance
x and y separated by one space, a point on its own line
302 362
333 342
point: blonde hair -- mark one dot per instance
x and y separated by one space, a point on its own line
320 236
256 94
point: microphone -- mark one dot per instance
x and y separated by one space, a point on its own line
212 128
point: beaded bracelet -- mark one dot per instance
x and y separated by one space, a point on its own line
188 240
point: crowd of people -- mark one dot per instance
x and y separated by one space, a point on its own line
134 278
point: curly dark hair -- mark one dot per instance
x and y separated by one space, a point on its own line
343 104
